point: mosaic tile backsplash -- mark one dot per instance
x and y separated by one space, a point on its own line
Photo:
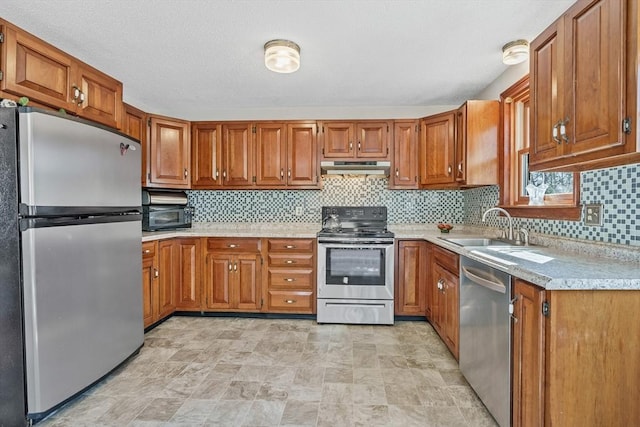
616 188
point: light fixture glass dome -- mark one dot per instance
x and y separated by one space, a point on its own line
282 56
515 52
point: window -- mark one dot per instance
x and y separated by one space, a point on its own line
561 196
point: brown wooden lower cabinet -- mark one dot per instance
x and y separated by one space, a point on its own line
158 277
291 276
580 364
232 274
443 296
411 277
188 265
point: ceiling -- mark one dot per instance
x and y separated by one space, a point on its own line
203 59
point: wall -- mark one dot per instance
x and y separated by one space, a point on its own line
615 188
404 206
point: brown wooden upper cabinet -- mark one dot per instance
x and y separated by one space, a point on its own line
584 88
254 155
356 140
404 168
437 149
135 125
50 77
460 148
169 152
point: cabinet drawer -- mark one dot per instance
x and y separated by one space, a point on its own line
148 249
291 300
447 259
234 245
291 260
291 245
291 279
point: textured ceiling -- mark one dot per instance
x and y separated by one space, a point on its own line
203 59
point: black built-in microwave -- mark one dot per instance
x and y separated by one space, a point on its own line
165 210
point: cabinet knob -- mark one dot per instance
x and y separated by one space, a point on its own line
281 174
449 170
185 172
230 266
290 301
289 173
350 146
359 146
397 173
217 173
460 168
233 245
289 279
289 261
156 273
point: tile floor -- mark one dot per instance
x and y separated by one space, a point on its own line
213 371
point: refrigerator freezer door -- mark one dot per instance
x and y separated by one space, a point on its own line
83 306
66 163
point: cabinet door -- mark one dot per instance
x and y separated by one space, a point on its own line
337 140
166 279
247 280
149 294
206 156
594 76
170 153
216 280
450 319
101 97
271 155
237 154
437 298
405 155
528 329
35 69
437 149
135 125
411 277
189 292
373 140
461 144
302 155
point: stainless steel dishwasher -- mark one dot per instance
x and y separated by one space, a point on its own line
485 335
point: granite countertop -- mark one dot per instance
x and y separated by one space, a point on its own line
574 264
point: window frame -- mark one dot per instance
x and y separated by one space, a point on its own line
563 207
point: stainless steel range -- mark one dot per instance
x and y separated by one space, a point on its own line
355 266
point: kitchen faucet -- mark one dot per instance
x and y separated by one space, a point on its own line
484 217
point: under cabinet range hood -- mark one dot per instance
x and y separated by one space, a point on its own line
355 167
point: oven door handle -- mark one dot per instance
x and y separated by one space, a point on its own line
477 278
357 245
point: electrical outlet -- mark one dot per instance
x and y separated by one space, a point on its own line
299 210
593 214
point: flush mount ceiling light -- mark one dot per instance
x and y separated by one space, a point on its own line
282 56
515 52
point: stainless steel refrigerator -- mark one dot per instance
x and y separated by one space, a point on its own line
70 258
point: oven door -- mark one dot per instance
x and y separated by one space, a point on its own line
353 270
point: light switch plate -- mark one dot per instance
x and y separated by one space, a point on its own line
593 214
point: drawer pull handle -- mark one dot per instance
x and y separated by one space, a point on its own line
290 301
155 272
290 247
146 251
289 279
289 261
233 245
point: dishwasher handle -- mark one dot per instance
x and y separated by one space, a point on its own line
475 277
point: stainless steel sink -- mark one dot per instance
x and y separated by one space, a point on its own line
475 241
